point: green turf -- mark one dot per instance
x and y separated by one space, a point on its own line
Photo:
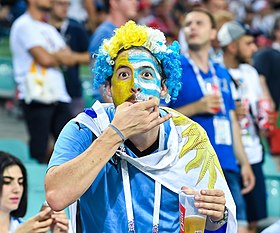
4 47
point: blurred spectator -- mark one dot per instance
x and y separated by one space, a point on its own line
37 50
238 9
266 61
144 13
215 51
75 36
13 202
119 12
276 34
9 11
264 16
162 18
214 108
238 45
84 11
215 5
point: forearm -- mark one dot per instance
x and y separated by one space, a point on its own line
64 184
81 58
265 90
190 110
237 142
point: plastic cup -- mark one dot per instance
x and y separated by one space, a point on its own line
211 88
191 221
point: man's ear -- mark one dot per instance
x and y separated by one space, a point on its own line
107 86
164 89
213 34
232 47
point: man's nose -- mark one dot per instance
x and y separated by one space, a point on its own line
135 90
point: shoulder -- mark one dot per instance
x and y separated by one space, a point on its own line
264 53
249 69
221 71
23 21
105 27
75 24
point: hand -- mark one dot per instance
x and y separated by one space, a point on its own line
39 223
132 119
60 222
241 110
210 103
210 202
65 56
248 178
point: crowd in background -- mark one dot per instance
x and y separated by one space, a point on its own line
80 27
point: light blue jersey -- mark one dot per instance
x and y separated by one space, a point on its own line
103 204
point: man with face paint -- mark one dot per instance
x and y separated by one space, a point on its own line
127 161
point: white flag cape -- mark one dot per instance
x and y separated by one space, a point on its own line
189 159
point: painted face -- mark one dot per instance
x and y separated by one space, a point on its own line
136 77
12 189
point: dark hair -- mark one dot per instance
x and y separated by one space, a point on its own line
276 23
206 12
7 160
106 4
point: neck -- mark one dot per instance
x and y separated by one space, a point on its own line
145 140
116 18
230 61
57 23
201 58
36 14
4 222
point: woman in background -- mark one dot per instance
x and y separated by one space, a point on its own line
13 202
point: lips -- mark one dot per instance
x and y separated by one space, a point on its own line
14 200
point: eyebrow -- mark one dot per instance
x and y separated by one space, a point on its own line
11 178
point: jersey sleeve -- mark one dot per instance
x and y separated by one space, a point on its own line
74 139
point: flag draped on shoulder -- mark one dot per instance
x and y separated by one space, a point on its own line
188 159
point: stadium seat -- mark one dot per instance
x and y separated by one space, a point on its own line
7 82
36 192
273 195
17 148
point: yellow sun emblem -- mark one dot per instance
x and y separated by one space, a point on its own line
198 140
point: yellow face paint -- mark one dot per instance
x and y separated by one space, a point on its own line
136 77
122 84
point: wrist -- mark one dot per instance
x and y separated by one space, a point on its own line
118 132
221 221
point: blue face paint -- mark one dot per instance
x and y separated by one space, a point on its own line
136 76
146 73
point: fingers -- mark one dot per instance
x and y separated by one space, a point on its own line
211 202
188 190
248 180
151 103
61 227
213 196
248 188
42 226
60 221
44 214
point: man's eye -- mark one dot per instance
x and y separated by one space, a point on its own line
147 75
123 75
